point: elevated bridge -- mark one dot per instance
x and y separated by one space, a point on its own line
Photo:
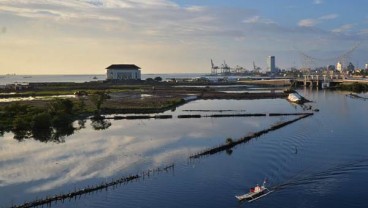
323 81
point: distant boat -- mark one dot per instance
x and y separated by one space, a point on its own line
27 77
94 77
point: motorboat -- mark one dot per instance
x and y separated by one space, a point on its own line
255 193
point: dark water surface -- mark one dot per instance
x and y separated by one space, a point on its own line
319 161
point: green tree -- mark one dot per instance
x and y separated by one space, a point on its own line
21 128
61 106
98 99
60 120
20 123
41 121
81 105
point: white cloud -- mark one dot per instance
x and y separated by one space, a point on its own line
307 22
363 31
318 2
343 28
257 20
313 22
328 17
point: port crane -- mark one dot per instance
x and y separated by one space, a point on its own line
256 69
226 69
214 69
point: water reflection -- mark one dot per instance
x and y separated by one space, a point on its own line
100 124
56 134
79 154
15 99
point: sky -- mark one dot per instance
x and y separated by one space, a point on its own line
178 36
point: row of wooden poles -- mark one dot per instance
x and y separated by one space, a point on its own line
133 117
230 144
89 189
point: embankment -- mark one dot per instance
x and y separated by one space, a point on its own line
230 144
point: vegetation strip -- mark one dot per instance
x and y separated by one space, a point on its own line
230 143
89 189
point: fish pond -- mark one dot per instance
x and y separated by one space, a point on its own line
317 161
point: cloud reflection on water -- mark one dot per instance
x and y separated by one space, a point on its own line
128 146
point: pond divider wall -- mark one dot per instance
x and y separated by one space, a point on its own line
137 117
213 110
89 189
230 144
237 115
140 117
286 114
357 96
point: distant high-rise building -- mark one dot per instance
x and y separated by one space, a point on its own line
331 68
350 67
366 66
339 66
271 66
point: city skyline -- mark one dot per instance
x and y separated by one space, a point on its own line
162 36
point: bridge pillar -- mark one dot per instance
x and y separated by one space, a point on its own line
317 84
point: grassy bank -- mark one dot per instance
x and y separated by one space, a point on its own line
54 117
354 87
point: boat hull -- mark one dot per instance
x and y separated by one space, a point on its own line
253 196
295 98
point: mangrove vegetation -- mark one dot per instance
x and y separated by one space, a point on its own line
354 87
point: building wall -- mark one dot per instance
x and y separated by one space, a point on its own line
123 74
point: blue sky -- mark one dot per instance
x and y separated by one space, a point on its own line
168 36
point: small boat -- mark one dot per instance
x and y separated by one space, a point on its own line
295 97
255 193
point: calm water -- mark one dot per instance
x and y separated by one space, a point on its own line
319 161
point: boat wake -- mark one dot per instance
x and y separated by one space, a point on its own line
303 178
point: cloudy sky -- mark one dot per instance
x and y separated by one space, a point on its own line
176 36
